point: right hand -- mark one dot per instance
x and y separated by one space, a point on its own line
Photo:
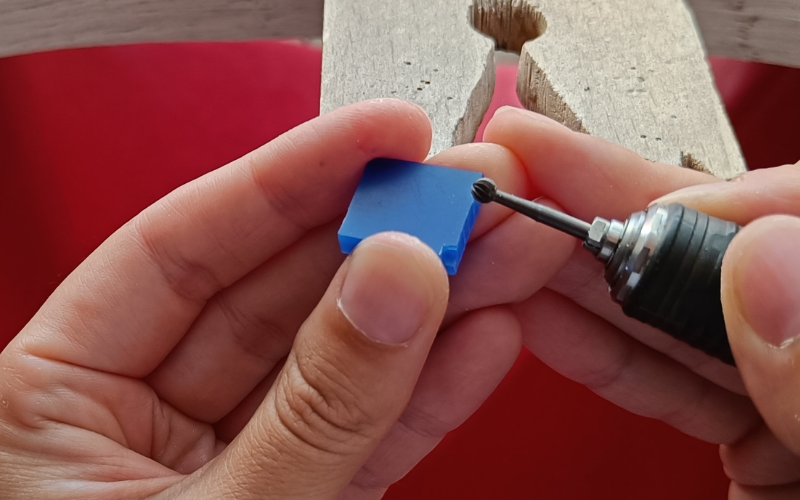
573 326
761 301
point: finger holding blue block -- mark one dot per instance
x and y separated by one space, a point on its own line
433 203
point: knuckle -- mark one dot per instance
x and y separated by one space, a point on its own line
319 406
188 278
249 327
425 424
369 480
605 377
730 463
289 204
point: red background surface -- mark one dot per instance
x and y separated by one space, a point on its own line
88 138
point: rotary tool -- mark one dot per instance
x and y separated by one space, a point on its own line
662 265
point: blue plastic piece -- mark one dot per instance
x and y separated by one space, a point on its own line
433 203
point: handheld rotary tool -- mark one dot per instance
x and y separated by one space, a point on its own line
662 265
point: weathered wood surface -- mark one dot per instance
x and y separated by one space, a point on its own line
628 71
37 25
761 30
634 73
585 42
757 30
421 50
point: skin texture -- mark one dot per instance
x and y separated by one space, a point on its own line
572 326
219 346
207 349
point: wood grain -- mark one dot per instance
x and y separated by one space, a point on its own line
423 51
761 30
633 73
37 25
629 71
757 30
427 52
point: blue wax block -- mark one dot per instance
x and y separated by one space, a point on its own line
433 203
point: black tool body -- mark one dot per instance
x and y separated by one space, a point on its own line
663 265
678 291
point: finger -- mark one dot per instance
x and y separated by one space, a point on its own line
508 265
747 197
245 329
581 280
761 301
585 175
509 256
348 378
232 424
466 364
785 492
149 281
760 460
588 350
465 346
590 177
495 162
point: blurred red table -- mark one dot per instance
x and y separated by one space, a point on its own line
88 138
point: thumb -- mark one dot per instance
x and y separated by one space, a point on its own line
351 372
761 301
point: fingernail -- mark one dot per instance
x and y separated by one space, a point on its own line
386 294
528 115
506 109
769 288
689 194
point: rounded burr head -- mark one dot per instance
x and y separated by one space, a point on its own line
484 190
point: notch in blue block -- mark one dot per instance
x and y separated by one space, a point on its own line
433 203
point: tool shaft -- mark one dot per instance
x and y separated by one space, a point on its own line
546 215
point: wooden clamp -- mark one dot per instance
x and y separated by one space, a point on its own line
641 60
629 71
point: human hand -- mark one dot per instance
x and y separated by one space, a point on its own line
211 349
573 326
761 301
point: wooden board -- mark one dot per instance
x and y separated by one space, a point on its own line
757 30
629 71
438 37
36 25
761 30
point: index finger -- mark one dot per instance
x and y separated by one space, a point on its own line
585 175
132 300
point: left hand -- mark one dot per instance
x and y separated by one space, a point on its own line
210 349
